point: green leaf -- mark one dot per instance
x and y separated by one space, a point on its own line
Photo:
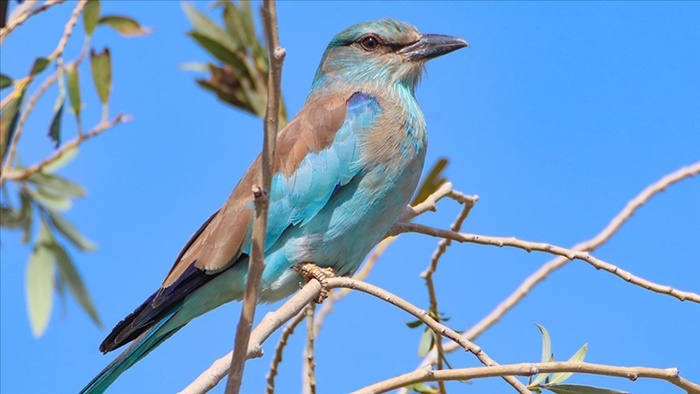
422 388
91 15
547 355
72 279
73 84
124 25
71 232
205 27
55 128
9 217
581 389
426 343
57 185
68 155
40 283
414 323
101 64
432 181
217 50
9 116
50 200
5 81
39 65
27 214
195 67
579 356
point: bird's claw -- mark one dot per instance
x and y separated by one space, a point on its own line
312 271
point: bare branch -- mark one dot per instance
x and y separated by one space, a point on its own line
544 271
256 263
15 22
309 375
272 321
569 254
279 350
56 54
428 276
99 129
670 375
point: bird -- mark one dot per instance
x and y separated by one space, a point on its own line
344 170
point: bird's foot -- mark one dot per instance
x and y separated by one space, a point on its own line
312 271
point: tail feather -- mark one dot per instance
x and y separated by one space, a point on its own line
141 346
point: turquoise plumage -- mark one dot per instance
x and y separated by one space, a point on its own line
344 170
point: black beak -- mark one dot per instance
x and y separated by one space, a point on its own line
431 46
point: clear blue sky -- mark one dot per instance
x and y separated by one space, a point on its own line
556 117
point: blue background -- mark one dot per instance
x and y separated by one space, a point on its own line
556 117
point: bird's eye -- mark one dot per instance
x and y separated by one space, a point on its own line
369 43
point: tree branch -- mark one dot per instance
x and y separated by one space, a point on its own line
309 366
272 321
529 246
279 350
544 271
670 375
21 18
256 263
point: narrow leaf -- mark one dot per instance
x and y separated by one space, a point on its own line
422 388
195 67
40 284
101 64
68 155
431 182
581 389
50 200
414 323
5 81
55 128
546 353
206 27
71 232
27 215
126 26
216 49
426 342
57 185
73 84
9 116
74 282
39 65
579 356
91 15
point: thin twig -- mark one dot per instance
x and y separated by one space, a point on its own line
272 321
21 18
31 103
279 351
309 374
68 30
56 54
529 246
670 375
544 271
256 263
99 129
430 283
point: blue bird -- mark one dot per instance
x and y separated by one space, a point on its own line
344 171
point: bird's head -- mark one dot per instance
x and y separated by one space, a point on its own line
382 51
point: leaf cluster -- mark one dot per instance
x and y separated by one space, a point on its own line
41 195
239 66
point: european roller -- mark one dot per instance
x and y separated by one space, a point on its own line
345 169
